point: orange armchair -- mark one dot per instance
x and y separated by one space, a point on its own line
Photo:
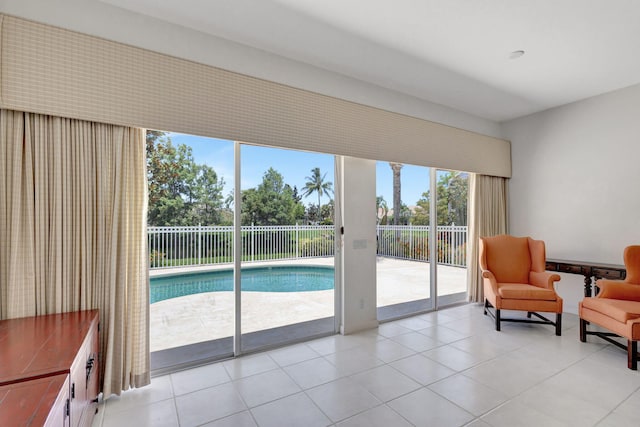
514 277
616 308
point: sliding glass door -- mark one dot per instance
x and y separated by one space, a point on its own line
417 261
224 282
452 190
287 239
402 264
190 247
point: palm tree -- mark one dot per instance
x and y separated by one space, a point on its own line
316 184
397 202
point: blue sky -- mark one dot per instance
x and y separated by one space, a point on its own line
294 167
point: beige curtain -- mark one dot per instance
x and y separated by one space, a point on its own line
487 217
73 208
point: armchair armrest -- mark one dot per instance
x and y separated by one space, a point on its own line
543 279
488 276
616 289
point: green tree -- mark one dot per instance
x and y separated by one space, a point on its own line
209 206
421 215
170 174
452 190
316 184
311 214
382 210
457 185
405 214
326 213
181 192
272 202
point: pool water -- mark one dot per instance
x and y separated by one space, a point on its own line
257 279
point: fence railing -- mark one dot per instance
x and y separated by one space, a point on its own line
206 245
412 242
203 245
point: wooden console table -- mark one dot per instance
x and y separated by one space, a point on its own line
49 370
589 270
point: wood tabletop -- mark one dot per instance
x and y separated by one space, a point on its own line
33 347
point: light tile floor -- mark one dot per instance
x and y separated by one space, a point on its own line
449 368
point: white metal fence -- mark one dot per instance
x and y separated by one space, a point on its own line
412 242
205 245
202 245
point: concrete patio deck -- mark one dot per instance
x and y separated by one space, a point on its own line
207 316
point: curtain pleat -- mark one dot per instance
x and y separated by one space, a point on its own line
73 208
15 230
487 217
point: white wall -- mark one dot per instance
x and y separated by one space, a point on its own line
359 308
575 183
103 20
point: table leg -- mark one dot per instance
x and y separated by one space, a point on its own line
587 286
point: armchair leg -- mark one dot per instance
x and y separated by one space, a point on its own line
632 354
497 320
486 304
558 324
583 330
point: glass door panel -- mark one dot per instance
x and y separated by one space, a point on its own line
287 274
402 265
452 191
190 246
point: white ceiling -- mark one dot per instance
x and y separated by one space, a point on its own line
452 52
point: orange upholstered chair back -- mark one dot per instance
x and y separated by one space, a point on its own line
632 264
510 258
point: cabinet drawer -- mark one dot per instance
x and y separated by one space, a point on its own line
38 402
568 268
605 273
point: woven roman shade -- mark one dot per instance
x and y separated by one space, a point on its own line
53 71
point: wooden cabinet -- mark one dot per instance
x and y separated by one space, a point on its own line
38 402
49 369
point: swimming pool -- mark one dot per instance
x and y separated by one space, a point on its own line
257 279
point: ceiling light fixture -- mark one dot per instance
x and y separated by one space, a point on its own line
516 54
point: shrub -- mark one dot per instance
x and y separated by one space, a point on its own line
316 246
155 258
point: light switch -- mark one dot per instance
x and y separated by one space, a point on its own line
360 244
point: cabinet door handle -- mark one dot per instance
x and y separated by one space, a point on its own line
90 363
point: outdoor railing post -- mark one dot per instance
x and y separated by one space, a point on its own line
297 242
253 240
164 248
411 242
199 244
451 245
